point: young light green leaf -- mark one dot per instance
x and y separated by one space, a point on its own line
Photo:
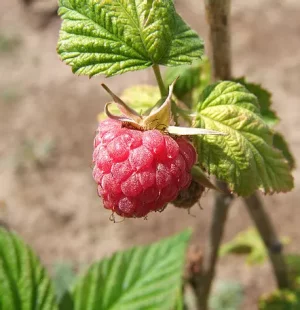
115 36
250 243
140 98
280 143
245 158
147 277
264 99
280 300
24 282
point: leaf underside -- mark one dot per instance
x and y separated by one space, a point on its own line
148 277
24 283
115 36
245 158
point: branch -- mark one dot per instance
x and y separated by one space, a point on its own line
202 281
269 237
219 49
217 12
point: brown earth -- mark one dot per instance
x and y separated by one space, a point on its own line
47 124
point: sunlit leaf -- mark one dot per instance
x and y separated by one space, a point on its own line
115 36
245 158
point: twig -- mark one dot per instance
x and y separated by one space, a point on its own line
268 234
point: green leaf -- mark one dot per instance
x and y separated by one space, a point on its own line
247 242
140 98
280 300
264 100
245 158
250 243
115 36
24 282
189 78
147 277
280 144
192 80
293 265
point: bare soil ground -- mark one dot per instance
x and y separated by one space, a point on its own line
47 124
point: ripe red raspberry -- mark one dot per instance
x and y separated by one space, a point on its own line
139 171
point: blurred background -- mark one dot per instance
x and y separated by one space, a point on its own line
48 120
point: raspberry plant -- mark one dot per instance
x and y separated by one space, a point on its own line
143 159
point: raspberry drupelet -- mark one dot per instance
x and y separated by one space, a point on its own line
139 171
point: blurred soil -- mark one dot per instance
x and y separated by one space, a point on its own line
48 120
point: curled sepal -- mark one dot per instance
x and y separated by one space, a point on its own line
161 117
190 131
121 118
123 107
200 176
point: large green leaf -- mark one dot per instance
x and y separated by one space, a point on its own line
264 99
148 277
115 36
244 158
24 283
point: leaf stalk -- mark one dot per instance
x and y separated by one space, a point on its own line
162 88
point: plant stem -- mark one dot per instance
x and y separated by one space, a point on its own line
219 49
160 82
202 282
268 235
217 12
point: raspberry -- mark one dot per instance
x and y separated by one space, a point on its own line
139 171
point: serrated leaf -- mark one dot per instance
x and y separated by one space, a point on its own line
141 98
248 242
147 277
280 143
24 282
115 36
280 300
264 100
245 158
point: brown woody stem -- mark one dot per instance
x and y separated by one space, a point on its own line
267 232
217 12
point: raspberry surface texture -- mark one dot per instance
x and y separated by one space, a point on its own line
139 171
